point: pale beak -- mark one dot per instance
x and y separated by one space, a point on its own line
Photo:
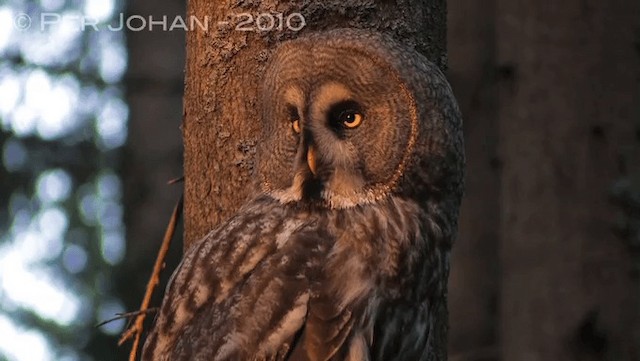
311 159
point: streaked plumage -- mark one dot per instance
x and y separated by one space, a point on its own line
343 253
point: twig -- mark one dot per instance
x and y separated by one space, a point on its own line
138 326
126 315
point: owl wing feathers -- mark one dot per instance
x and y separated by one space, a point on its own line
402 332
259 319
325 334
245 292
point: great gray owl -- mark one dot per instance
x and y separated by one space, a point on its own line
344 252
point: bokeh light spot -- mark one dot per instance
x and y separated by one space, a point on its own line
53 222
108 310
113 61
112 247
109 186
6 28
19 344
10 89
89 204
51 5
27 287
53 186
98 10
74 259
111 123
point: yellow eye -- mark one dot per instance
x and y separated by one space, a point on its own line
296 126
351 119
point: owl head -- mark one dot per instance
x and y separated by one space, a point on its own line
351 117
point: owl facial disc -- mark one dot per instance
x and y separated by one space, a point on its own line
350 118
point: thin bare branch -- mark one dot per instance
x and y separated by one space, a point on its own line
126 315
135 330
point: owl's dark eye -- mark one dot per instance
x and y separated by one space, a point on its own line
346 115
350 118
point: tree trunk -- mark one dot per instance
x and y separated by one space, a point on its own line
474 284
568 99
152 155
224 68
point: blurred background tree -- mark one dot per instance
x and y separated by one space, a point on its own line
63 122
546 266
69 101
549 92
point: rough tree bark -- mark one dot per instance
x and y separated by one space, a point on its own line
224 68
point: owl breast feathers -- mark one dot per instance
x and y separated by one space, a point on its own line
343 254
